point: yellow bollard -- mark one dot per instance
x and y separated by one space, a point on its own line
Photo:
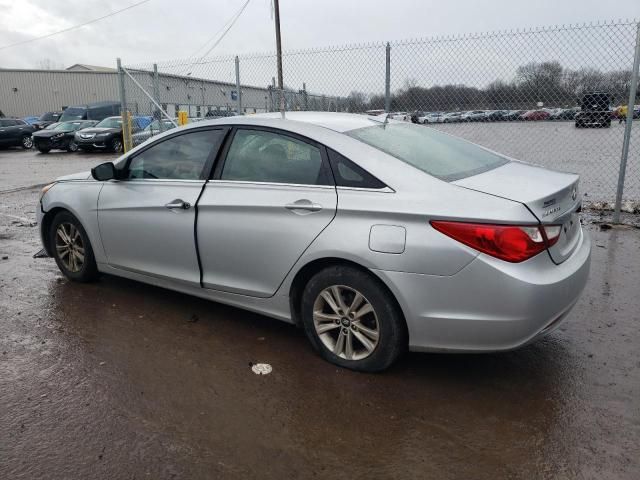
183 118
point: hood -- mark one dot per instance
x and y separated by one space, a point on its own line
48 133
553 197
75 176
95 130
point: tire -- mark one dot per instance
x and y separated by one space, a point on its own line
72 146
117 145
26 142
86 149
383 328
43 149
70 265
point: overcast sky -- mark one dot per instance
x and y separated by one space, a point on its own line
166 29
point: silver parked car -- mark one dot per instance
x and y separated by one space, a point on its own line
375 236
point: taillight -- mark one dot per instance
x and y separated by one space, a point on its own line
512 243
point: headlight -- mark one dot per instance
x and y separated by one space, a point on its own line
59 135
102 135
45 189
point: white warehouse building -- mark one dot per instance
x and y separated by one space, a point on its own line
32 92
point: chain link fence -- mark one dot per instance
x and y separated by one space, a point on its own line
524 93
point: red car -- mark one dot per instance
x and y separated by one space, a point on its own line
536 115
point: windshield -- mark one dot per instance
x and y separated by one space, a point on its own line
73 113
47 117
65 127
113 122
51 126
439 154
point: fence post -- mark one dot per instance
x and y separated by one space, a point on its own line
239 97
627 128
305 98
126 138
387 81
156 94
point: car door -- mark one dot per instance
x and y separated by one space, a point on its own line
147 219
5 132
11 133
271 196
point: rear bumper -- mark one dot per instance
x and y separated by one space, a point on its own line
490 305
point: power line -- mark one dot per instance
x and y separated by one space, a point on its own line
75 26
225 30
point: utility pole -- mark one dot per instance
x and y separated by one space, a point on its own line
276 6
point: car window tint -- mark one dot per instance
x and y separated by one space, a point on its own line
261 156
348 174
9 123
178 158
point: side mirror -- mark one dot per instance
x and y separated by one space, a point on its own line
103 172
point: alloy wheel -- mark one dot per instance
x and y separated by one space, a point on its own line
346 322
117 146
73 146
69 247
27 142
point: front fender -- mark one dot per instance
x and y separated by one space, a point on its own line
81 199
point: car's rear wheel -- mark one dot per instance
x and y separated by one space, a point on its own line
352 320
26 142
116 145
72 147
72 249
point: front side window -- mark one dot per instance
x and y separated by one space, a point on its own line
177 158
444 156
262 156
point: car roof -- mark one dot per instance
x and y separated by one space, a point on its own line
338 122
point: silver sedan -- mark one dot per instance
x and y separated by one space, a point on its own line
375 236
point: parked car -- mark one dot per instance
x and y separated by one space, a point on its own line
495 115
15 133
47 119
595 110
514 115
434 117
60 136
473 116
31 119
339 223
91 111
106 135
564 113
452 117
152 129
535 115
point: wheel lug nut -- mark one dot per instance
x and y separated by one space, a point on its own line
337 321
345 330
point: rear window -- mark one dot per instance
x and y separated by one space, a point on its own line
439 154
73 113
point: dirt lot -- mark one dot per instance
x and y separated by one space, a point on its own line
118 380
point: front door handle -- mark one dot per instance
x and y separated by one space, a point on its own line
178 204
306 205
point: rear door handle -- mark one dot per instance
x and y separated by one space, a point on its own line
304 204
178 204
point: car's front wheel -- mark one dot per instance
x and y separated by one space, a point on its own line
72 146
26 142
352 320
72 249
43 149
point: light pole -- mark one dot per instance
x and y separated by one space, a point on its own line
276 6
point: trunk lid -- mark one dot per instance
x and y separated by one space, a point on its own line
553 197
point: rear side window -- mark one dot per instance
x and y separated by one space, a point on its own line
263 156
444 156
348 174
